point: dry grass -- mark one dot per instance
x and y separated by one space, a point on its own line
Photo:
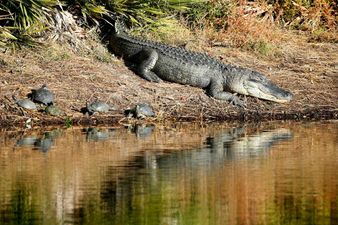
257 27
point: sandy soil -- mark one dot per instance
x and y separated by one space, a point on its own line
308 70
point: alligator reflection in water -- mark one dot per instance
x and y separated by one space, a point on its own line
233 144
223 147
236 144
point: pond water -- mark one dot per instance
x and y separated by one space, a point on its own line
267 173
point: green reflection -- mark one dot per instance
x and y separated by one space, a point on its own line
240 175
22 207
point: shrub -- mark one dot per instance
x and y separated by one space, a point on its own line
213 13
22 20
306 14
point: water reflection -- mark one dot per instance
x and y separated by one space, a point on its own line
229 144
100 134
183 174
143 131
150 170
96 134
42 142
26 141
22 208
236 144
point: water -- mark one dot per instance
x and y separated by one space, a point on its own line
270 173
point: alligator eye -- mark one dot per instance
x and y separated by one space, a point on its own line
257 77
254 80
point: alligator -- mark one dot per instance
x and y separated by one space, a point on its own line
155 62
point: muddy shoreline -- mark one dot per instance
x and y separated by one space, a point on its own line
315 114
308 70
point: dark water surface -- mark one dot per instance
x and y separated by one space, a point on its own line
270 173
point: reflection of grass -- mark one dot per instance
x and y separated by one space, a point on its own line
152 197
142 200
22 208
305 210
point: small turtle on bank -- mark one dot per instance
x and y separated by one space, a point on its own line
42 95
97 106
25 103
53 110
141 111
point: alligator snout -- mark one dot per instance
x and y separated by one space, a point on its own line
261 87
288 96
277 94
283 98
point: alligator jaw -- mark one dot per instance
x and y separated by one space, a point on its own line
265 89
257 85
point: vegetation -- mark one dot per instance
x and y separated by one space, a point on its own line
23 21
68 122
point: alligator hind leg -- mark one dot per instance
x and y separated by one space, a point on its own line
146 61
216 90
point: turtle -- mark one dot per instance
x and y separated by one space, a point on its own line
54 110
141 111
98 106
25 103
42 95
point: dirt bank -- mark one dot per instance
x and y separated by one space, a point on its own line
308 70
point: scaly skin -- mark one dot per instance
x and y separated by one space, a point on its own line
156 62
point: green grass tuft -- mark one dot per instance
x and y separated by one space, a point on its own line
261 47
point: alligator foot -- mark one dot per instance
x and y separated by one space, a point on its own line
237 102
147 59
232 99
216 91
152 77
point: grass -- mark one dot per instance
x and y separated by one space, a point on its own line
57 53
261 47
323 35
169 31
94 48
22 21
68 122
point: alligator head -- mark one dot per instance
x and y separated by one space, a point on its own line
257 85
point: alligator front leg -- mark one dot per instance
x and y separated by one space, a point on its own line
216 90
146 61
